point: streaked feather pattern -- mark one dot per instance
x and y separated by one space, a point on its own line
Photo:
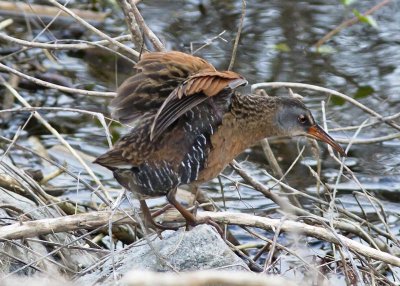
179 101
164 80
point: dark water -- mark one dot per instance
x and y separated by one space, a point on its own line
277 44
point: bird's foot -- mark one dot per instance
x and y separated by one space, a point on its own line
148 219
156 226
190 217
206 220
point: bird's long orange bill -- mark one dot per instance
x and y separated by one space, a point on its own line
318 133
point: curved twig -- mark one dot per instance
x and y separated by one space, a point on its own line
96 219
56 86
93 29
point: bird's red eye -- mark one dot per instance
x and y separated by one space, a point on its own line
302 119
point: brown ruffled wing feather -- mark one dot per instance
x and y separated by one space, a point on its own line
164 78
169 84
158 75
193 91
210 83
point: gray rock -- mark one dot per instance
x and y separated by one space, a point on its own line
198 249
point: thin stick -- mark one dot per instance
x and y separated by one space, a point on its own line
93 29
94 219
281 202
30 9
276 168
83 45
58 165
57 135
235 45
207 42
147 31
133 26
5 23
57 46
348 23
56 86
98 115
369 140
373 122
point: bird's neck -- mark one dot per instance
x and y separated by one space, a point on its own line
250 118
255 117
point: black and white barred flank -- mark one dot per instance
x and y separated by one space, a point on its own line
198 124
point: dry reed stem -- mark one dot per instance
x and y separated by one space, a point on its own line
293 210
351 223
237 38
157 45
6 23
58 136
277 169
56 86
98 115
93 29
136 35
13 144
81 45
99 219
29 9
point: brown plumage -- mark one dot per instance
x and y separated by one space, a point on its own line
190 122
163 79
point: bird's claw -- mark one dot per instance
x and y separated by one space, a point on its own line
209 221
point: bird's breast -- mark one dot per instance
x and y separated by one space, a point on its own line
226 143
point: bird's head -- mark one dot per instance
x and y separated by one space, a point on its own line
295 119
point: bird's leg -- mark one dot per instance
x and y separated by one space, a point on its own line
195 190
148 218
189 217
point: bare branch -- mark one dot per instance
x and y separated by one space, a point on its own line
93 29
146 30
56 86
95 219
133 26
239 32
30 9
57 135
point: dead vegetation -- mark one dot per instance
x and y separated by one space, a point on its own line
42 233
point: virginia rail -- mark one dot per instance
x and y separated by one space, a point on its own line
190 122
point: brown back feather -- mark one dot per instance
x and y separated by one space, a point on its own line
196 89
158 75
163 82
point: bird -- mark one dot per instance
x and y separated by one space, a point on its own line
189 122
